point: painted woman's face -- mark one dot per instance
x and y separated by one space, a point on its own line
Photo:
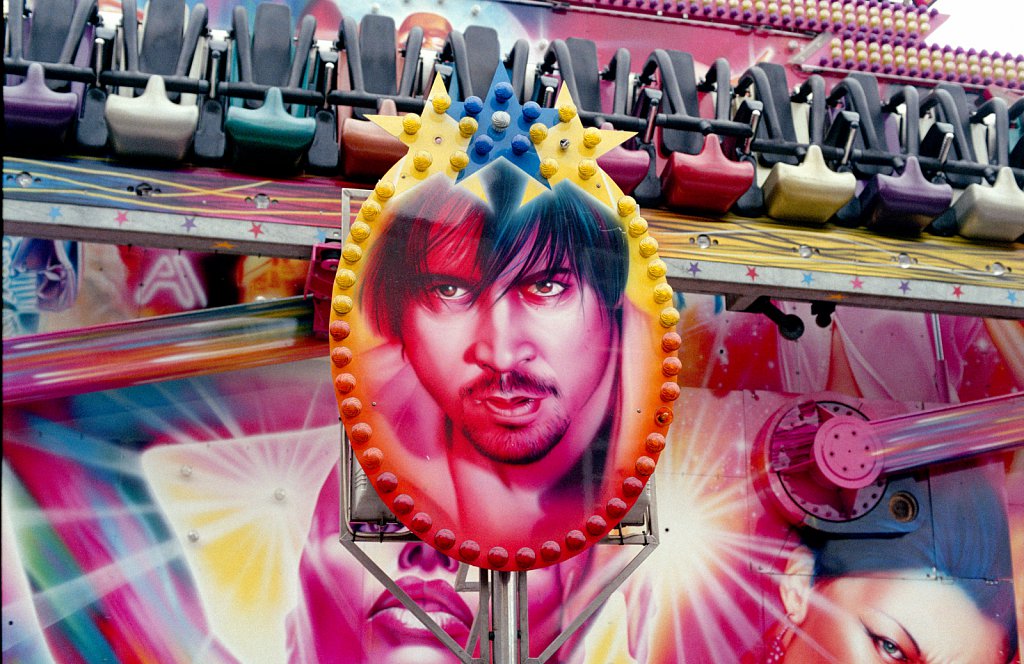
350 617
887 620
346 615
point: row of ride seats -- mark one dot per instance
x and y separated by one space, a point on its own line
256 90
808 155
264 99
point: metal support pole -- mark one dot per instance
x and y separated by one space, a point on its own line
504 614
941 371
523 606
480 620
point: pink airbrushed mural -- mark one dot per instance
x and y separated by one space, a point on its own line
197 519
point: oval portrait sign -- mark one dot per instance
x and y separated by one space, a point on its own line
502 334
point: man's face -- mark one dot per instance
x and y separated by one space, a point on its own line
511 363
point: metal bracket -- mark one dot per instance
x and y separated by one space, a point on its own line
790 326
323 264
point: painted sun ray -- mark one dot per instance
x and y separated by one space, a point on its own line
26 643
775 612
704 510
54 438
229 518
820 650
727 605
23 638
320 394
154 420
696 329
711 500
608 639
258 421
709 614
32 517
694 334
741 544
75 594
717 551
224 414
182 412
677 632
211 506
244 561
708 422
57 565
204 650
700 612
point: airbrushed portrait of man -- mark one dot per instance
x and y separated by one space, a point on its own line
505 321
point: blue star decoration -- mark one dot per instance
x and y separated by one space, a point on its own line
547 147
503 127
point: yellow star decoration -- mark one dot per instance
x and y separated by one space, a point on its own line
437 142
569 152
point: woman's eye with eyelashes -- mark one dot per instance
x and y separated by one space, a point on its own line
888 649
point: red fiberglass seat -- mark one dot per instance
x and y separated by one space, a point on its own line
698 174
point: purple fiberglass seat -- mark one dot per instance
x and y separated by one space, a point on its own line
906 202
32 106
41 107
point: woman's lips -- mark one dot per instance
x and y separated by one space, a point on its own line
437 597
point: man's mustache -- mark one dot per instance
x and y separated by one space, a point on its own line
509 381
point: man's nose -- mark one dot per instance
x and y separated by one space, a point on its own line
427 559
502 341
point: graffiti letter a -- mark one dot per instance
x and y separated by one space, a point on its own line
173 273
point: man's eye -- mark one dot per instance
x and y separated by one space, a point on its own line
449 291
889 649
546 288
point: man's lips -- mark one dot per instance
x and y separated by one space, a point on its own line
508 385
512 407
435 596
